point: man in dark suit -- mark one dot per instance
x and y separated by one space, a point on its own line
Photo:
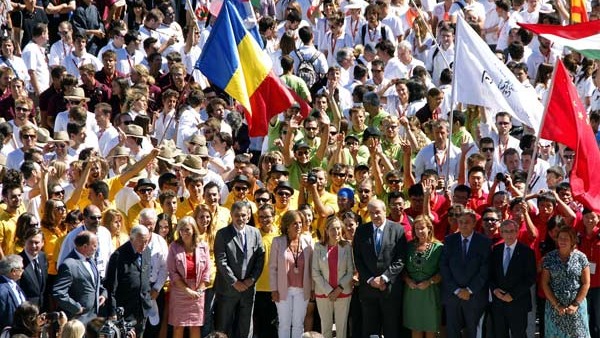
11 296
128 279
240 256
513 272
379 250
465 273
35 273
78 289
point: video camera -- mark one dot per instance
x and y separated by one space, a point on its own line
119 328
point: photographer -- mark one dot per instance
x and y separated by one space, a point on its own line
312 191
30 323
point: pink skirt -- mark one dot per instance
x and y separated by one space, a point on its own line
184 310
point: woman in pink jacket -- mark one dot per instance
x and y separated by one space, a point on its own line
290 274
189 271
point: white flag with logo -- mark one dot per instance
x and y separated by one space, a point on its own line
482 79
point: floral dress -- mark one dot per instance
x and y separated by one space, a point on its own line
565 281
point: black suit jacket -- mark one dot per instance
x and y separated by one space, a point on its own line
390 260
29 283
519 277
472 272
127 283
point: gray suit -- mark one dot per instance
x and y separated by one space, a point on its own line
234 309
75 289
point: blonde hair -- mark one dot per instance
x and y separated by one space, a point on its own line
73 329
331 221
196 233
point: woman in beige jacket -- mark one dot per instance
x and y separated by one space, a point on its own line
332 270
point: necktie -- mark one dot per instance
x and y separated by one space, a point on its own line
94 269
465 242
242 239
38 271
378 241
506 259
138 259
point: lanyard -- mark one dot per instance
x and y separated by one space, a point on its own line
439 163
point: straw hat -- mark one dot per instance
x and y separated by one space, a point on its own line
43 137
134 131
120 151
196 139
167 154
203 151
60 136
76 94
193 163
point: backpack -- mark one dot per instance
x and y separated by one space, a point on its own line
363 32
306 68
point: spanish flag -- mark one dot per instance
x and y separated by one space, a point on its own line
233 61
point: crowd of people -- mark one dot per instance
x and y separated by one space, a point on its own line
133 195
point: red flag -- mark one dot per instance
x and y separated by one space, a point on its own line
304 106
566 121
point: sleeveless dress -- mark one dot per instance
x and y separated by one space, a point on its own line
422 309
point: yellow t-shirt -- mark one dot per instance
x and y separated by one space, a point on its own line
114 186
133 214
262 284
363 212
329 200
53 239
221 218
8 228
185 208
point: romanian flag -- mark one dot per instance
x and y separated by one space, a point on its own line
233 61
567 122
578 11
582 37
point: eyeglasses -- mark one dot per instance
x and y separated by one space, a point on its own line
491 220
61 145
28 136
310 128
263 200
364 191
340 175
238 188
502 123
394 181
146 190
61 192
60 208
333 133
95 218
21 109
128 122
284 194
485 150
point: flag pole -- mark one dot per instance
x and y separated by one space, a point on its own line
430 32
537 133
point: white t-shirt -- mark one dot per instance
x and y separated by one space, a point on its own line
35 59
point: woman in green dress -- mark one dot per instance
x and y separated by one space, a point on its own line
422 308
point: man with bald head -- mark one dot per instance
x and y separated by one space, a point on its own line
379 250
91 222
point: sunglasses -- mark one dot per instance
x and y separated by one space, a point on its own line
486 150
62 192
146 190
490 220
284 194
302 152
28 136
21 109
95 218
340 175
394 181
263 200
364 191
61 145
238 188
310 128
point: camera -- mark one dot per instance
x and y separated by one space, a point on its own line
52 316
311 178
119 328
500 177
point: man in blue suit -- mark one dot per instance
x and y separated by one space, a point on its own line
465 272
11 295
